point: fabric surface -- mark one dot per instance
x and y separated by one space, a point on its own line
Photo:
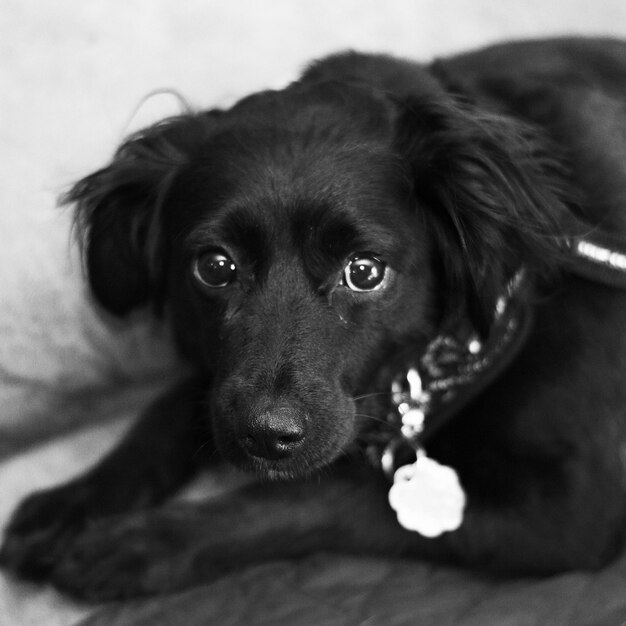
75 77
334 590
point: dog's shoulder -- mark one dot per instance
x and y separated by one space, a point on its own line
599 61
573 90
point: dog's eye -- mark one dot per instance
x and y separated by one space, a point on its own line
364 273
214 269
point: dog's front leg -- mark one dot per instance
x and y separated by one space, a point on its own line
156 456
341 509
180 545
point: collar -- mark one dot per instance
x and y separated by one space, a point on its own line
598 258
456 367
452 371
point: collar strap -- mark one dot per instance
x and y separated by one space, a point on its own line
599 259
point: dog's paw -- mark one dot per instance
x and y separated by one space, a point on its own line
41 529
126 557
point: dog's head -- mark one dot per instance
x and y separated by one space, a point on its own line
301 239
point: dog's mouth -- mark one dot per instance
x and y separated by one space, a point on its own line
310 458
278 471
300 465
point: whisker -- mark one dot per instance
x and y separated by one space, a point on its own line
365 396
374 418
390 427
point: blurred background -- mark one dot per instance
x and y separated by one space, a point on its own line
75 77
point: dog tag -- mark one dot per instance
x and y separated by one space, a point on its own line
427 497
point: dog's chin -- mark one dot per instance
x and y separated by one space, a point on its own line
272 471
293 468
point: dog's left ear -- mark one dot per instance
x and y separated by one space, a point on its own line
490 195
120 214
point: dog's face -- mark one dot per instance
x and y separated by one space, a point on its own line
296 243
300 265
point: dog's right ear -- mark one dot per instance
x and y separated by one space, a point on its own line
494 198
120 213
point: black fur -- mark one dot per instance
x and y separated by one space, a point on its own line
455 175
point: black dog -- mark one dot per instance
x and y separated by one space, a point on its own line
311 246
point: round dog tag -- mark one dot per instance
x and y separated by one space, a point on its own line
427 497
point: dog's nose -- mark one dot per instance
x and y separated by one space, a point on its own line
274 434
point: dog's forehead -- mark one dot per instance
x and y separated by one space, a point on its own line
311 134
282 176
340 201
319 105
